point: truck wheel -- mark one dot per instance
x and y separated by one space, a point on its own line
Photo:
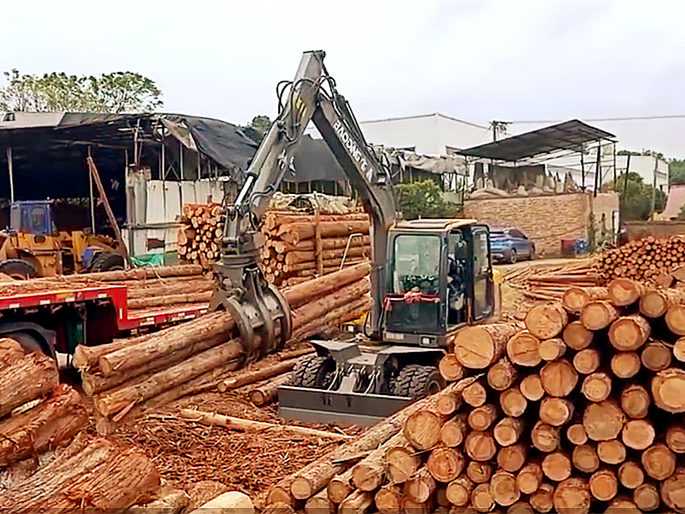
415 380
18 269
316 372
107 262
512 256
28 342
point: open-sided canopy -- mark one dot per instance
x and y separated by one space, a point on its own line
569 135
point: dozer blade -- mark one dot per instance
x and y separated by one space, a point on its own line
318 406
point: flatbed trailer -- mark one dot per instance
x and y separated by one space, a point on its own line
57 320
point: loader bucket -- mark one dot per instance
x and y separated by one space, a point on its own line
319 406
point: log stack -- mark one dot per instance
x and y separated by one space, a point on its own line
577 408
199 239
153 369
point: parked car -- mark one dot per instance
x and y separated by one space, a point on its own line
510 245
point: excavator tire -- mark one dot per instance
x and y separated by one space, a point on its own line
18 269
107 262
415 380
316 372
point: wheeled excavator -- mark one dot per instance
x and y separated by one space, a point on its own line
429 277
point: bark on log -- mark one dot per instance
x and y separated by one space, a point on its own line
231 501
586 361
477 347
480 446
572 495
623 292
630 475
182 270
625 364
612 452
545 437
250 377
173 299
501 375
598 315
319 504
402 461
367 475
445 464
33 375
531 387
596 386
529 478
50 424
503 489
603 484
267 393
655 303
546 321
295 232
555 411
522 349
316 309
667 390
603 421
576 336
303 293
355 503
658 462
585 458
628 333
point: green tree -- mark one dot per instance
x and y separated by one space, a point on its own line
260 124
110 92
676 171
636 196
423 200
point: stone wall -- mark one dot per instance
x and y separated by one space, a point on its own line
545 219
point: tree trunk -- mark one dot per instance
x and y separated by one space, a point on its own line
402 461
481 498
630 475
477 347
367 475
319 504
86 357
479 472
51 423
264 372
646 497
655 303
174 299
603 421
623 292
512 458
453 432
598 315
542 500
522 349
142 289
638 434
672 490
656 356
603 484
459 491
675 438
420 487
635 401
447 405
503 489
482 418
628 333
667 390
675 319
576 336
501 375
147 272
295 232
450 369
339 487
586 361
546 321
267 393
555 411
474 395
355 503
576 298
625 364
31 376
327 243
227 502
512 402
596 386
531 387
390 499
557 466
572 495
585 458
445 464
480 446
303 293
10 352
545 437
576 434
508 431
552 349
300 256
612 452
529 478
558 378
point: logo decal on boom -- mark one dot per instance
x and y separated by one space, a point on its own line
353 149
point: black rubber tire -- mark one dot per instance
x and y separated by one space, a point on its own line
415 380
18 269
107 262
315 372
28 342
512 256
532 253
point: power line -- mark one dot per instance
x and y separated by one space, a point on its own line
627 118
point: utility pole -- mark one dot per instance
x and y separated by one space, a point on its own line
656 167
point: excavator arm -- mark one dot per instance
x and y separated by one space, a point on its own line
260 311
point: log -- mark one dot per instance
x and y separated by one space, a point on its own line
572 495
552 349
624 292
32 376
445 464
172 299
521 507
656 356
603 420
482 418
603 484
531 387
646 497
512 402
556 466
228 502
420 487
630 475
327 243
301 256
612 452
295 232
503 489
477 347
654 303
450 369
545 437
635 401
558 378
447 405
596 386
622 504
339 487
522 349
367 475
422 429
389 498
268 393
555 411
667 390
114 400
586 361
481 498
475 395
458 491
479 472
355 503
401 460
50 424
453 432
598 315
340 298
508 431
250 377
512 458
658 462
418 508
501 375
672 492
576 434
319 504
546 321
675 438
675 319
628 333
542 500
625 364
638 434
168 501
529 478
679 349
183 270
575 299
576 336
585 458
480 446
87 356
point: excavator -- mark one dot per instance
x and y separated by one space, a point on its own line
430 278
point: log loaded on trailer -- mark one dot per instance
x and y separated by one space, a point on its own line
56 320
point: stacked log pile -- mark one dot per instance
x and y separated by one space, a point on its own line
199 239
154 369
538 281
300 245
578 408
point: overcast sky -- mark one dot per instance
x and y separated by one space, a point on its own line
477 61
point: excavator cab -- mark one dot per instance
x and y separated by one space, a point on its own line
438 280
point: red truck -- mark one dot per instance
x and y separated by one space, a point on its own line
57 320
